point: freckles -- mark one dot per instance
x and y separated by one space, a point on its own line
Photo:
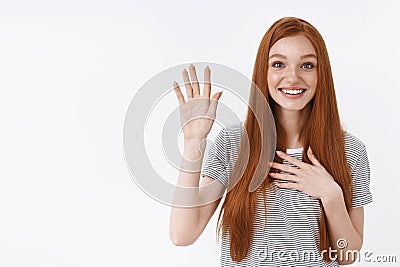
273 79
310 78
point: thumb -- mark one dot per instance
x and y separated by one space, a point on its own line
214 102
313 158
217 95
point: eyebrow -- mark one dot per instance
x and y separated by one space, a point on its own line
284 57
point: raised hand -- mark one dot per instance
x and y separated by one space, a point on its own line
197 112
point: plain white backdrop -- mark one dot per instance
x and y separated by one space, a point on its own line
68 71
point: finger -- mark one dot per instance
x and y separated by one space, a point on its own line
188 86
214 103
285 168
313 158
207 82
178 93
292 160
288 185
195 82
286 177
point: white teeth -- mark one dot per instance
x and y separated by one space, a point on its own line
292 92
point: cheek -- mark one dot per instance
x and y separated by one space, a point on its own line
312 80
312 83
273 80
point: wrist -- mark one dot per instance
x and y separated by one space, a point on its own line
333 194
193 150
189 141
191 145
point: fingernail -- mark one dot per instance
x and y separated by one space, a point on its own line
279 152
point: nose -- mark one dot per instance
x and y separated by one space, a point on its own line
292 75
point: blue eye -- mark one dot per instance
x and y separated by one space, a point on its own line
277 64
307 66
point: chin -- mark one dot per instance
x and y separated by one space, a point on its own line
290 104
296 105
291 107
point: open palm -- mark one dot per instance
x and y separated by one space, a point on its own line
197 112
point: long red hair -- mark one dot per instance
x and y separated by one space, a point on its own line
322 132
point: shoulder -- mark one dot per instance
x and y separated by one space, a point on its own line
228 140
354 148
235 128
358 162
231 133
352 143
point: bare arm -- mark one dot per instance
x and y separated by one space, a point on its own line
187 224
343 225
197 116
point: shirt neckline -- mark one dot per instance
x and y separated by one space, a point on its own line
294 150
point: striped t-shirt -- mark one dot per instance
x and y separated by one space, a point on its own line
289 235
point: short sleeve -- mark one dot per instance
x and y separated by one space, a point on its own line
360 174
216 161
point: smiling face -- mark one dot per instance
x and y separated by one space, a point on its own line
292 72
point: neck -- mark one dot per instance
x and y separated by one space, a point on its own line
293 122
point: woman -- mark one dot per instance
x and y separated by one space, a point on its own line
309 209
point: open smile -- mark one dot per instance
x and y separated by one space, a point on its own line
292 92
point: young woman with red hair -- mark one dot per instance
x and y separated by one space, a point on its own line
308 211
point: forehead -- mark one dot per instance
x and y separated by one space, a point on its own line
295 46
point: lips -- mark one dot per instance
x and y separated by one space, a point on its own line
292 90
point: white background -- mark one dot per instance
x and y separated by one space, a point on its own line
68 71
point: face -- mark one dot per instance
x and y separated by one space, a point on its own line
292 72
